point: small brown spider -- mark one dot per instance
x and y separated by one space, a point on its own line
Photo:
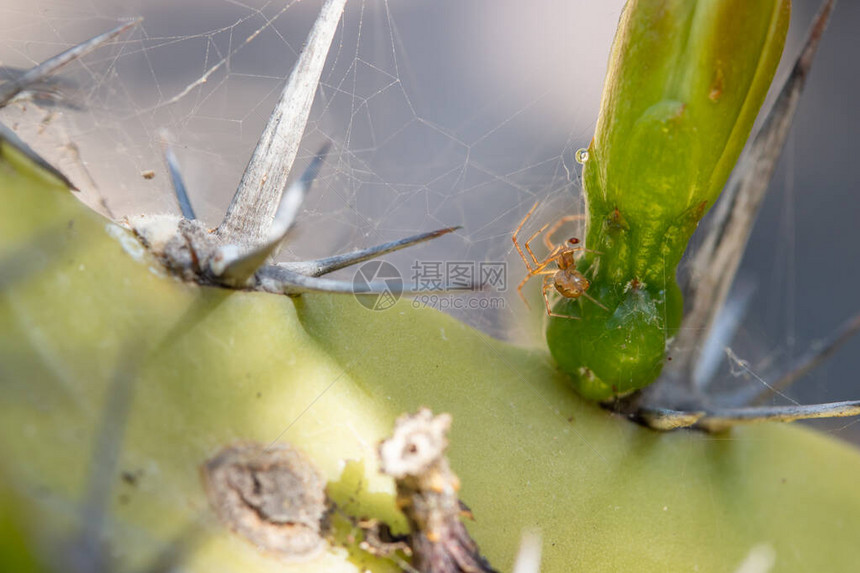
567 281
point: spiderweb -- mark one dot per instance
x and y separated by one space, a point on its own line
421 141
441 113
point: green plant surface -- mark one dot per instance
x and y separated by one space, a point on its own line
82 304
16 551
684 86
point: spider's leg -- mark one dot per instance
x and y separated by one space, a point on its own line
320 267
13 87
547 285
551 258
284 281
594 300
544 289
540 270
532 238
234 265
547 239
523 282
517 232
520 289
179 188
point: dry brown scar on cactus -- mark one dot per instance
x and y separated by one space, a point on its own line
427 494
272 496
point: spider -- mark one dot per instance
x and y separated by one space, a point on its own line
567 281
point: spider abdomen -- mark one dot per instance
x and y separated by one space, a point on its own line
570 283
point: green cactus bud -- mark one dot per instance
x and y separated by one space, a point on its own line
686 80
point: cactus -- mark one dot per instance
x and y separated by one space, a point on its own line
679 101
681 95
120 382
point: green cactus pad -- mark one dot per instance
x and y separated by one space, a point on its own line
81 303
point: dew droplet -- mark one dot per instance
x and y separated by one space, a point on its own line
581 155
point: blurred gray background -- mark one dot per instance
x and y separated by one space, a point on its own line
442 112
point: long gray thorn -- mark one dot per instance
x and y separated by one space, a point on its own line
48 92
665 419
10 137
312 171
26 260
324 266
171 556
234 264
284 281
87 553
256 201
725 328
818 352
294 196
12 88
715 264
723 419
179 188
